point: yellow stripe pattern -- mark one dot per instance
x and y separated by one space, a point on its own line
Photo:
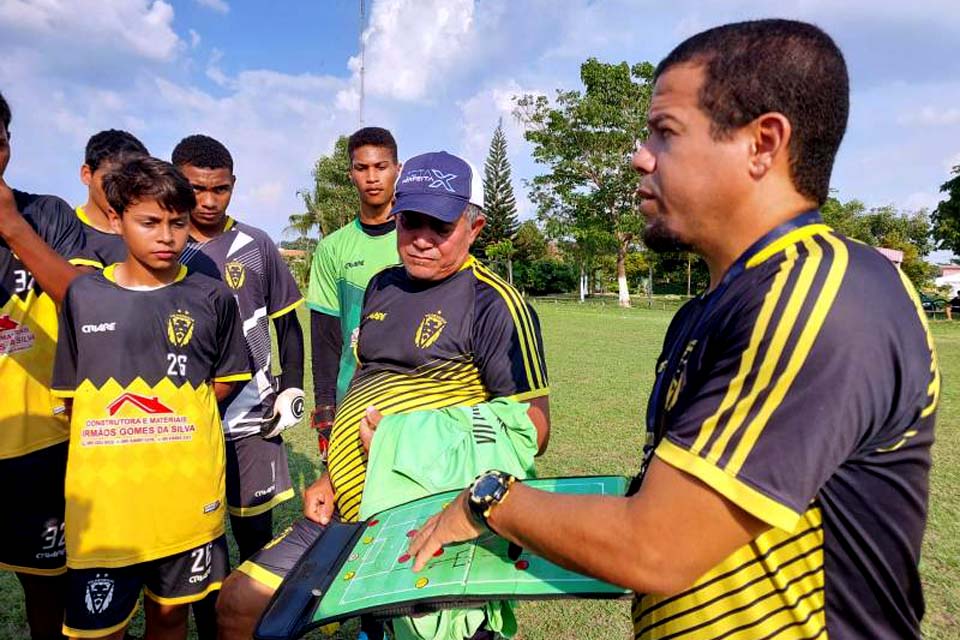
772 587
933 389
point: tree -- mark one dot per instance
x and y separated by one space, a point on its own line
583 139
946 217
887 227
500 205
332 202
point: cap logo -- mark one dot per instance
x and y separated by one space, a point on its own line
435 177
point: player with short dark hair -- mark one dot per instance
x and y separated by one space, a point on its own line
105 151
343 263
244 257
439 331
38 236
145 473
783 487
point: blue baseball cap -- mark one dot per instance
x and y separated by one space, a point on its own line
439 185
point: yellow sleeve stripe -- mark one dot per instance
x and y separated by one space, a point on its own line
236 377
735 388
808 336
522 321
781 333
286 310
736 491
260 574
63 393
84 262
933 390
780 244
530 395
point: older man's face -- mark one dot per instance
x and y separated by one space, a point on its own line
432 249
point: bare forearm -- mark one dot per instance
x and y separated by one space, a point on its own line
222 389
51 271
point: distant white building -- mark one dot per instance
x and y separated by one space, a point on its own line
949 277
893 255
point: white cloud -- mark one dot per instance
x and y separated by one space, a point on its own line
921 200
951 162
479 115
220 6
932 116
194 39
411 47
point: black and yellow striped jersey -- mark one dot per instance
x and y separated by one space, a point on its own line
429 345
30 416
145 469
105 248
803 389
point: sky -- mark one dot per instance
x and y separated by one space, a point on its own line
278 82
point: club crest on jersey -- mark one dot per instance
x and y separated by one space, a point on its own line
99 593
235 273
679 377
429 330
180 328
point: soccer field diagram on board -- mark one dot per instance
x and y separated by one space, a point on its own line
364 568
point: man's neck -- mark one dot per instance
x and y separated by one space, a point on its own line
742 232
205 234
370 214
97 217
131 273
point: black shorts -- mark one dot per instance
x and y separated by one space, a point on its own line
258 477
270 565
102 601
32 540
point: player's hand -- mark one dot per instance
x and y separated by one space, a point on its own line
318 500
368 425
453 524
322 421
8 207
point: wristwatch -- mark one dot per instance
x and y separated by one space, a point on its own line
487 491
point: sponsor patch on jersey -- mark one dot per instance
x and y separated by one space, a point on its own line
379 316
136 419
213 506
99 593
429 330
99 328
14 337
235 274
180 328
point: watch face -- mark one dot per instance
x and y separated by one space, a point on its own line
486 487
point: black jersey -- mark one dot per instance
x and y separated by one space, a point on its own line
145 471
32 419
105 248
803 389
429 345
248 262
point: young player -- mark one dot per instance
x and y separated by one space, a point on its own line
145 471
38 234
244 257
342 266
105 152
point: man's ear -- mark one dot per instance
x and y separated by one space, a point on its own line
86 175
770 142
114 220
233 181
477 227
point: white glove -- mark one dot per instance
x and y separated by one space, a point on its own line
287 411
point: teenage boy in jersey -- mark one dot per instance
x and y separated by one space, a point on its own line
247 261
38 236
145 472
784 484
105 152
439 331
343 264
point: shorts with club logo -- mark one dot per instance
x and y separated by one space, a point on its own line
258 476
36 544
101 601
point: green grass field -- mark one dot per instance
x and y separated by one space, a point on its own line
601 369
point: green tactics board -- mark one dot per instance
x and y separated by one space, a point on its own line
363 568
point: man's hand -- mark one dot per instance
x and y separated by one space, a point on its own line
453 524
318 500
368 425
322 421
9 215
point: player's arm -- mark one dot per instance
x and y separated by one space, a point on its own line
232 362
290 350
222 389
283 298
52 272
327 345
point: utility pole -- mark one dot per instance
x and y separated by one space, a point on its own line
363 23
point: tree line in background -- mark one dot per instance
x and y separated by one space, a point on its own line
586 234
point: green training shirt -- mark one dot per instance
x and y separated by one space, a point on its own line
343 264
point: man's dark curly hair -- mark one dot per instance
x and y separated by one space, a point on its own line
146 178
112 145
374 137
202 152
784 66
5 115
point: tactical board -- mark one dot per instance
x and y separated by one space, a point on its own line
363 568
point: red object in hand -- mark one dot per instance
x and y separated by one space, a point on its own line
322 420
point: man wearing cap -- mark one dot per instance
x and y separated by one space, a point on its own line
439 331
